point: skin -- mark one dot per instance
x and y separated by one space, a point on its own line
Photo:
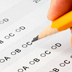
58 8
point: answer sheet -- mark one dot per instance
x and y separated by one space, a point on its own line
20 22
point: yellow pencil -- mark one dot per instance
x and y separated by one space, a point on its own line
62 23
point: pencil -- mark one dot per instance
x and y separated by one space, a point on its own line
60 24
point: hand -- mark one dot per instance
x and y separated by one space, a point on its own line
58 8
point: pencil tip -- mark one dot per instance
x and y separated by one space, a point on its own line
35 39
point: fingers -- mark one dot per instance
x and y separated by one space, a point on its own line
58 8
71 37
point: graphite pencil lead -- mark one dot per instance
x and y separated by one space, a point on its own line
35 39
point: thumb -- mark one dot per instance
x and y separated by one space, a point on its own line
58 8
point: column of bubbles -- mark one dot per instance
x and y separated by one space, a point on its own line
44 54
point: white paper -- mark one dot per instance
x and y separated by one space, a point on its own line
19 24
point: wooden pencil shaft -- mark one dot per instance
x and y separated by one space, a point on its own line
60 24
47 32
